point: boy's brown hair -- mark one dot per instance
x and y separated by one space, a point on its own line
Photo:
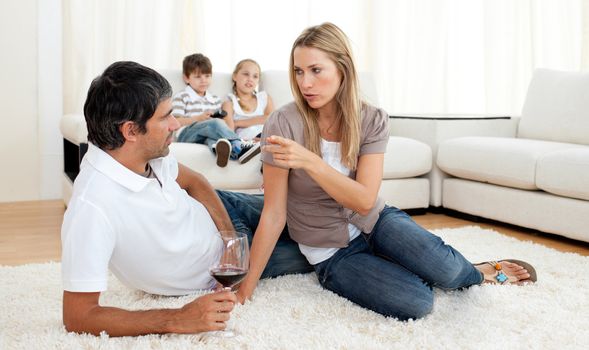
196 62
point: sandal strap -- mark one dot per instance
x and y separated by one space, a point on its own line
500 277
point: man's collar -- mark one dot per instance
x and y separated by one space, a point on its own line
195 96
111 168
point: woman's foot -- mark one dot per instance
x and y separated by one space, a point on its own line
507 272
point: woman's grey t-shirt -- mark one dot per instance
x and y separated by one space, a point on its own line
313 217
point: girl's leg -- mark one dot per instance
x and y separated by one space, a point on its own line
375 283
398 238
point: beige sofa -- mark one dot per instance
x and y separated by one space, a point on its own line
406 161
537 178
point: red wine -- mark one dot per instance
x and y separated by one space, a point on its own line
228 276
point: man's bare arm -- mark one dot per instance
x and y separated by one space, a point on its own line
200 189
83 314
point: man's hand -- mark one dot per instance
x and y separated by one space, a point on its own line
83 314
210 312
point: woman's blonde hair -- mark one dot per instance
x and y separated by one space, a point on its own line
237 68
328 38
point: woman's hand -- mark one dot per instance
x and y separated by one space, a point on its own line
289 154
243 293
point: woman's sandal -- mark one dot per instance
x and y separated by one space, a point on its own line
499 277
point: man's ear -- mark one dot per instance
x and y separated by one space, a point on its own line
185 78
129 131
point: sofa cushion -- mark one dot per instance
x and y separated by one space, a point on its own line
565 173
556 107
234 176
275 83
221 84
498 160
405 158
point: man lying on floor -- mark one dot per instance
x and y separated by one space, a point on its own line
153 222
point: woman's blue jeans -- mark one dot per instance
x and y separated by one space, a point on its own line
245 211
392 270
208 132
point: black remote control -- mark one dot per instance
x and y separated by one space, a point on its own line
219 114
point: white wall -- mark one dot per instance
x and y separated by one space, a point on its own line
19 146
50 87
31 100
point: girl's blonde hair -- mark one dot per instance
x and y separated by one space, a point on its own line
328 38
237 68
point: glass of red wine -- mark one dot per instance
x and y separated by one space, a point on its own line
232 265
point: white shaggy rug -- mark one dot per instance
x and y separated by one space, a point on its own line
294 312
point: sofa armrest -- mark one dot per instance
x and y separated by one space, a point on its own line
73 128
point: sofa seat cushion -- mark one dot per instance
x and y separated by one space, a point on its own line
502 161
234 176
405 158
565 173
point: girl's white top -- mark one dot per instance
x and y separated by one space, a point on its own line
238 114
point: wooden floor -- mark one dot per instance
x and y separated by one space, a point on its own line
30 232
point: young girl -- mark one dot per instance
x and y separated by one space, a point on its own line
247 109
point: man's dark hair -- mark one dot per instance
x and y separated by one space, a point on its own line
126 91
195 62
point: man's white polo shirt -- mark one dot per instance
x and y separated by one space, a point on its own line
154 238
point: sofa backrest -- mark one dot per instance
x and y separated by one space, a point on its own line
275 82
220 86
556 107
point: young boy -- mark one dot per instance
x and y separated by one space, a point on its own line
194 107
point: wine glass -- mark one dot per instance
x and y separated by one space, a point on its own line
232 265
